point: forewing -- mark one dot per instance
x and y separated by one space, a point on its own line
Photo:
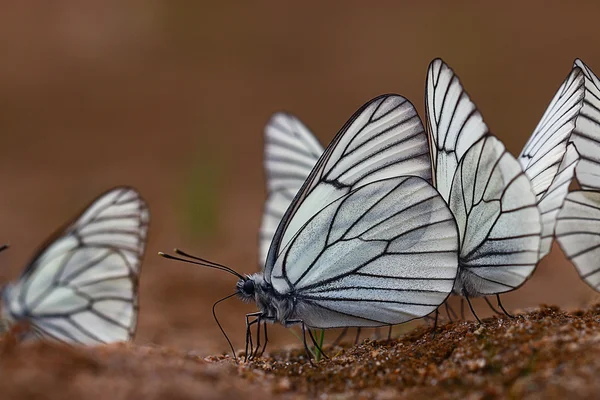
578 233
497 217
542 155
586 135
291 152
384 253
453 122
82 286
385 138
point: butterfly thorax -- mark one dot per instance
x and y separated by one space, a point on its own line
273 305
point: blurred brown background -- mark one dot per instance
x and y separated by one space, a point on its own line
172 97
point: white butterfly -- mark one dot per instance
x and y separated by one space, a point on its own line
489 194
82 286
578 223
366 241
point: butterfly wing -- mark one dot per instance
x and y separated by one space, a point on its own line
543 157
385 138
82 286
291 152
384 253
586 135
453 122
497 218
578 233
577 225
485 187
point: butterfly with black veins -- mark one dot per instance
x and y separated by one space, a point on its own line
578 224
82 286
490 195
361 244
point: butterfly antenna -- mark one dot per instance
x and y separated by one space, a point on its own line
219 324
205 261
4 247
203 264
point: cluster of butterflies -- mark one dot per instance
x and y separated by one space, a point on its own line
377 229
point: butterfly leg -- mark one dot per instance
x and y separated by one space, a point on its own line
435 322
266 337
502 307
491 306
249 343
292 322
389 334
357 336
471 307
340 337
316 344
258 326
462 308
448 311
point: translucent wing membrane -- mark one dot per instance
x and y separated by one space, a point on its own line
385 138
82 287
497 218
486 188
291 152
384 253
586 135
543 157
578 233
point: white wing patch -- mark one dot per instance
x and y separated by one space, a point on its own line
82 287
384 253
385 138
291 152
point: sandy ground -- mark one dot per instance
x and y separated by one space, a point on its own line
172 98
540 354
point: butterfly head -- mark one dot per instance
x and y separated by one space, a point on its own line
247 287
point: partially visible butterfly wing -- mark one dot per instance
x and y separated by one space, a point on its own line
291 152
497 217
554 198
578 233
586 135
453 122
82 286
383 253
385 138
544 157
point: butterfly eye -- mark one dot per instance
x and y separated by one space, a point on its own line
249 287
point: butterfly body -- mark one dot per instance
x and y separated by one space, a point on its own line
273 306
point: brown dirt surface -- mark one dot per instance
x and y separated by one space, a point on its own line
544 353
